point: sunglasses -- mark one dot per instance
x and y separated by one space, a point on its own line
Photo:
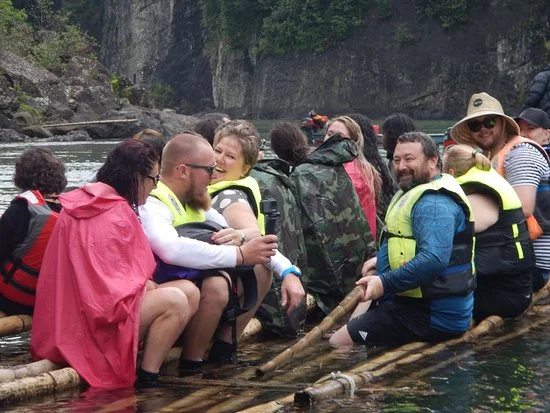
475 125
155 179
209 169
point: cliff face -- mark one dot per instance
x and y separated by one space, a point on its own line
399 64
158 41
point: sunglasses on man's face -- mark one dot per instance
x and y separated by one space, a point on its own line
475 125
209 169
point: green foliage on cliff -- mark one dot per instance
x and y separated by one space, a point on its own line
41 33
278 26
449 13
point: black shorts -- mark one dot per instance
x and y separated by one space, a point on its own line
397 322
492 298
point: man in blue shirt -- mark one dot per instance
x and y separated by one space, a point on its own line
423 273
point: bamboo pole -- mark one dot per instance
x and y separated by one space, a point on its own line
91 122
347 305
270 407
205 397
15 324
27 370
361 374
50 382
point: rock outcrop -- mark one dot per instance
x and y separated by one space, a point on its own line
401 63
33 98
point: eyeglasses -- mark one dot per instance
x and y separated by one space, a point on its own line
209 169
475 125
155 179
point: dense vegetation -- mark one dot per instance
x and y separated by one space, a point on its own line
280 26
38 30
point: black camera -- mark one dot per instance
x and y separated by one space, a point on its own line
268 207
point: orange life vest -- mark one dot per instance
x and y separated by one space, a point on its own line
20 271
536 225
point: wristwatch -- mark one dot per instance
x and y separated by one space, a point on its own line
292 269
243 237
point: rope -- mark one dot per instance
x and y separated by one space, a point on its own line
340 375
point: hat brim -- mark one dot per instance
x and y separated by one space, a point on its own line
461 134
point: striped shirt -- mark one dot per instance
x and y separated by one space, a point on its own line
524 165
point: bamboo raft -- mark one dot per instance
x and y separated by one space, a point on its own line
43 377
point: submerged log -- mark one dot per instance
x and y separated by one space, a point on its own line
51 382
14 324
347 305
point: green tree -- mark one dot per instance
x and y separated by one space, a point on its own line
14 29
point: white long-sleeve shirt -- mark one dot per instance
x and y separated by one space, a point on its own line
156 220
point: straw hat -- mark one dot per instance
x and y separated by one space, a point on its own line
481 104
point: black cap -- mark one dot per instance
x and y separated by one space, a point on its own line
535 117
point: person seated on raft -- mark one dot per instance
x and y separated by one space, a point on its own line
503 252
95 300
26 226
336 232
424 270
236 195
521 161
366 180
188 164
272 174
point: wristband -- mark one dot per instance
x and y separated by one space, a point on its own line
293 269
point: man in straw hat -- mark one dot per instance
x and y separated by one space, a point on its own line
523 163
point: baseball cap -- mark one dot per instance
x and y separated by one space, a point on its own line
535 117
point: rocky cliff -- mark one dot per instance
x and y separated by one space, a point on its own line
402 63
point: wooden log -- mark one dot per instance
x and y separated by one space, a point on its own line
270 407
51 382
347 305
15 324
540 309
91 122
27 370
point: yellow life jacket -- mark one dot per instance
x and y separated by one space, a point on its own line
504 248
250 187
458 278
181 214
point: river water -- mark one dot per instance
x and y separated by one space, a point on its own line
501 372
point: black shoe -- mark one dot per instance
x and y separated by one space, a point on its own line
146 380
189 367
222 352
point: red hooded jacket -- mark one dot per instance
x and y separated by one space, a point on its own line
91 286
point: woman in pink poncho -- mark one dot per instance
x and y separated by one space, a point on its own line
366 180
95 301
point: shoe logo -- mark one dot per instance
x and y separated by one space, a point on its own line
363 335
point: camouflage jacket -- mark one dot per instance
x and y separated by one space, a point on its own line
272 177
337 235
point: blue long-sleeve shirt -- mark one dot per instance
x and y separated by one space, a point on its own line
436 218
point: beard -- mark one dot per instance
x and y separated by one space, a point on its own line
198 200
409 180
